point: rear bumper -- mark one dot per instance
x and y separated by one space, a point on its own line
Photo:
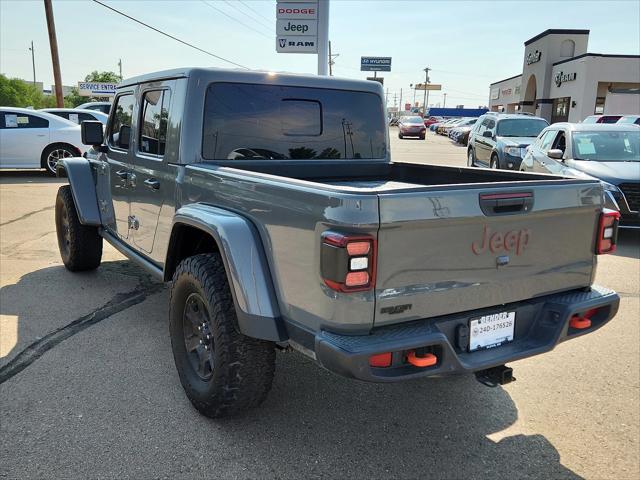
541 324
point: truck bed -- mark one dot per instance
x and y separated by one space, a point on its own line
378 177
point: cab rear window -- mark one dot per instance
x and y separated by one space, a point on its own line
271 122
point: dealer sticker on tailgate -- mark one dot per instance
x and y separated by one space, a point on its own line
491 330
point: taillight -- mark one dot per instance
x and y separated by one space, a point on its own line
607 231
347 262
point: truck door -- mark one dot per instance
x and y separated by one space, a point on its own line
149 164
119 159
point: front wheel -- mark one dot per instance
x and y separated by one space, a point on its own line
494 162
222 371
80 245
471 158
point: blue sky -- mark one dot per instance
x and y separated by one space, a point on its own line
468 44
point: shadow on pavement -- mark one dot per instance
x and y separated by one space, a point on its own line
628 243
27 176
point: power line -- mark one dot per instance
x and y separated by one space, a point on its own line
255 11
268 26
236 20
170 36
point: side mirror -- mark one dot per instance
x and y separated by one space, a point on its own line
91 132
487 134
555 153
124 136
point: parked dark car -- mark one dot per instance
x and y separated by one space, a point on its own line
602 119
412 126
610 153
500 140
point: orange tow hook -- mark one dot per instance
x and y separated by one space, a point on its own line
579 323
427 360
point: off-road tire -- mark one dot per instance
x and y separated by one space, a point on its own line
80 245
243 367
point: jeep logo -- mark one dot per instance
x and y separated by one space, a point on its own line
496 242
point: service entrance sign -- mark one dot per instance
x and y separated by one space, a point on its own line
96 89
375 64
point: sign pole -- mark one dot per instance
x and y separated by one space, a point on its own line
323 37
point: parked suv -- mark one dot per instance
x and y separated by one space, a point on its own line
500 140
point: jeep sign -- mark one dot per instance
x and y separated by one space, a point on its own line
297 27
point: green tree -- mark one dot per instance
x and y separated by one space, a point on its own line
15 92
74 99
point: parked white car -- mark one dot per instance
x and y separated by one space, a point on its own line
78 115
31 139
104 107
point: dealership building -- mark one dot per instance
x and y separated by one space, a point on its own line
561 81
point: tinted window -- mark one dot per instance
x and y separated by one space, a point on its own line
521 127
607 146
245 121
413 120
121 124
23 120
153 127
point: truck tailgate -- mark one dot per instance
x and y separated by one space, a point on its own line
458 249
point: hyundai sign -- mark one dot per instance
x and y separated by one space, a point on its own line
375 64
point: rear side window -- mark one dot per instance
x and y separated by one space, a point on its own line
263 122
120 131
23 120
153 128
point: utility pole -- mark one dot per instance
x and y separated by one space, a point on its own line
120 67
331 62
53 43
426 92
33 62
444 102
394 100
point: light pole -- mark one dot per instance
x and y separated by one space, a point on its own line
426 92
414 94
33 63
444 101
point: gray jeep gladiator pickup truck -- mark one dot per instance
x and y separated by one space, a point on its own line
271 204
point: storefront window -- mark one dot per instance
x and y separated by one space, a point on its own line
560 111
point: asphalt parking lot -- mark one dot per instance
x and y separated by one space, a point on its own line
89 388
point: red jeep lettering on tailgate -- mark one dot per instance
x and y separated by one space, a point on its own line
512 241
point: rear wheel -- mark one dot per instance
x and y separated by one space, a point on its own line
80 245
52 154
222 371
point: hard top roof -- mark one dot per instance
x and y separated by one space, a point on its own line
254 76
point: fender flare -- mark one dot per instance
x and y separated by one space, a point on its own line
83 189
245 262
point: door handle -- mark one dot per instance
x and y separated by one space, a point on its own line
152 183
123 174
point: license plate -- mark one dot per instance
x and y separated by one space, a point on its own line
491 331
